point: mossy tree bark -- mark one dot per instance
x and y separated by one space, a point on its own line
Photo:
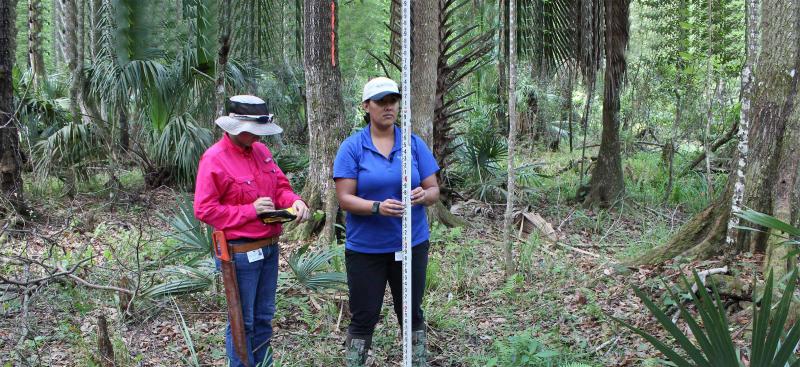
772 162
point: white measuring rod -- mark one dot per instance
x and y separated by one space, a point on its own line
406 176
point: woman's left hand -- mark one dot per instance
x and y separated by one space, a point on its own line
301 210
418 196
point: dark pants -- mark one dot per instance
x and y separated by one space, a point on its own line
367 275
258 282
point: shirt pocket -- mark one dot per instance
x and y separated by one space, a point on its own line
269 179
246 189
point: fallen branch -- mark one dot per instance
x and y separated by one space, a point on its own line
97 286
718 143
695 287
564 245
37 281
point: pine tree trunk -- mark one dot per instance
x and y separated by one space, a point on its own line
607 184
35 58
326 123
771 170
10 159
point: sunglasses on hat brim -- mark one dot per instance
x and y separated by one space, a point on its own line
263 119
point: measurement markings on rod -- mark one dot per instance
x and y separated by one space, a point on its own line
406 176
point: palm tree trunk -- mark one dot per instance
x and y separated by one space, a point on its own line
35 58
75 65
10 159
394 29
607 182
222 57
95 18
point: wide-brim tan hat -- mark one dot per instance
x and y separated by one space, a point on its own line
248 114
236 125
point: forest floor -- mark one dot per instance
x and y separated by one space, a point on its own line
554 311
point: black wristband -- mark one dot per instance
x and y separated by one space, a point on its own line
376 207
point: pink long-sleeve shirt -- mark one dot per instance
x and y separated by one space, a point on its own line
229 179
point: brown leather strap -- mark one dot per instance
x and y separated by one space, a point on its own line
255 245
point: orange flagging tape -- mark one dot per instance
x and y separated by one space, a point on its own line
333 32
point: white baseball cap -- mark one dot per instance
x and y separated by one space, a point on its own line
378 88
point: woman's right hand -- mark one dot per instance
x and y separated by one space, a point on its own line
263 205
391 208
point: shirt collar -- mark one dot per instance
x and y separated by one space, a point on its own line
229 144
366 140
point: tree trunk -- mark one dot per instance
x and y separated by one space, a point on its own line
105 349
70 36
512 136
35 58
424 62
222 56
58 39
775 164
607 182
566 112
95 31
10 158
394 30
745 117
771 171
571 114
502 66
668 154
124 128
326 122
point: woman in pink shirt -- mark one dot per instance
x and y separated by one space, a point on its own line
237 181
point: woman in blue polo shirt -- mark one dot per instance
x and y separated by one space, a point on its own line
368 186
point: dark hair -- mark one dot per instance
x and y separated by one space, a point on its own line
366 118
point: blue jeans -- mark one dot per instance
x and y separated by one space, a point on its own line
258 282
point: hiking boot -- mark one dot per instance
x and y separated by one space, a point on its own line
356 349
419 352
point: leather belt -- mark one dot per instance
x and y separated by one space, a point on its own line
255 245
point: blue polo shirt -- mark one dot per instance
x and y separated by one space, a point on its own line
379 179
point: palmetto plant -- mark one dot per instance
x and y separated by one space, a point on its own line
770 344
482 158
197 271
791 232
308 269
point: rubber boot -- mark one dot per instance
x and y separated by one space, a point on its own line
419 351
356 349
